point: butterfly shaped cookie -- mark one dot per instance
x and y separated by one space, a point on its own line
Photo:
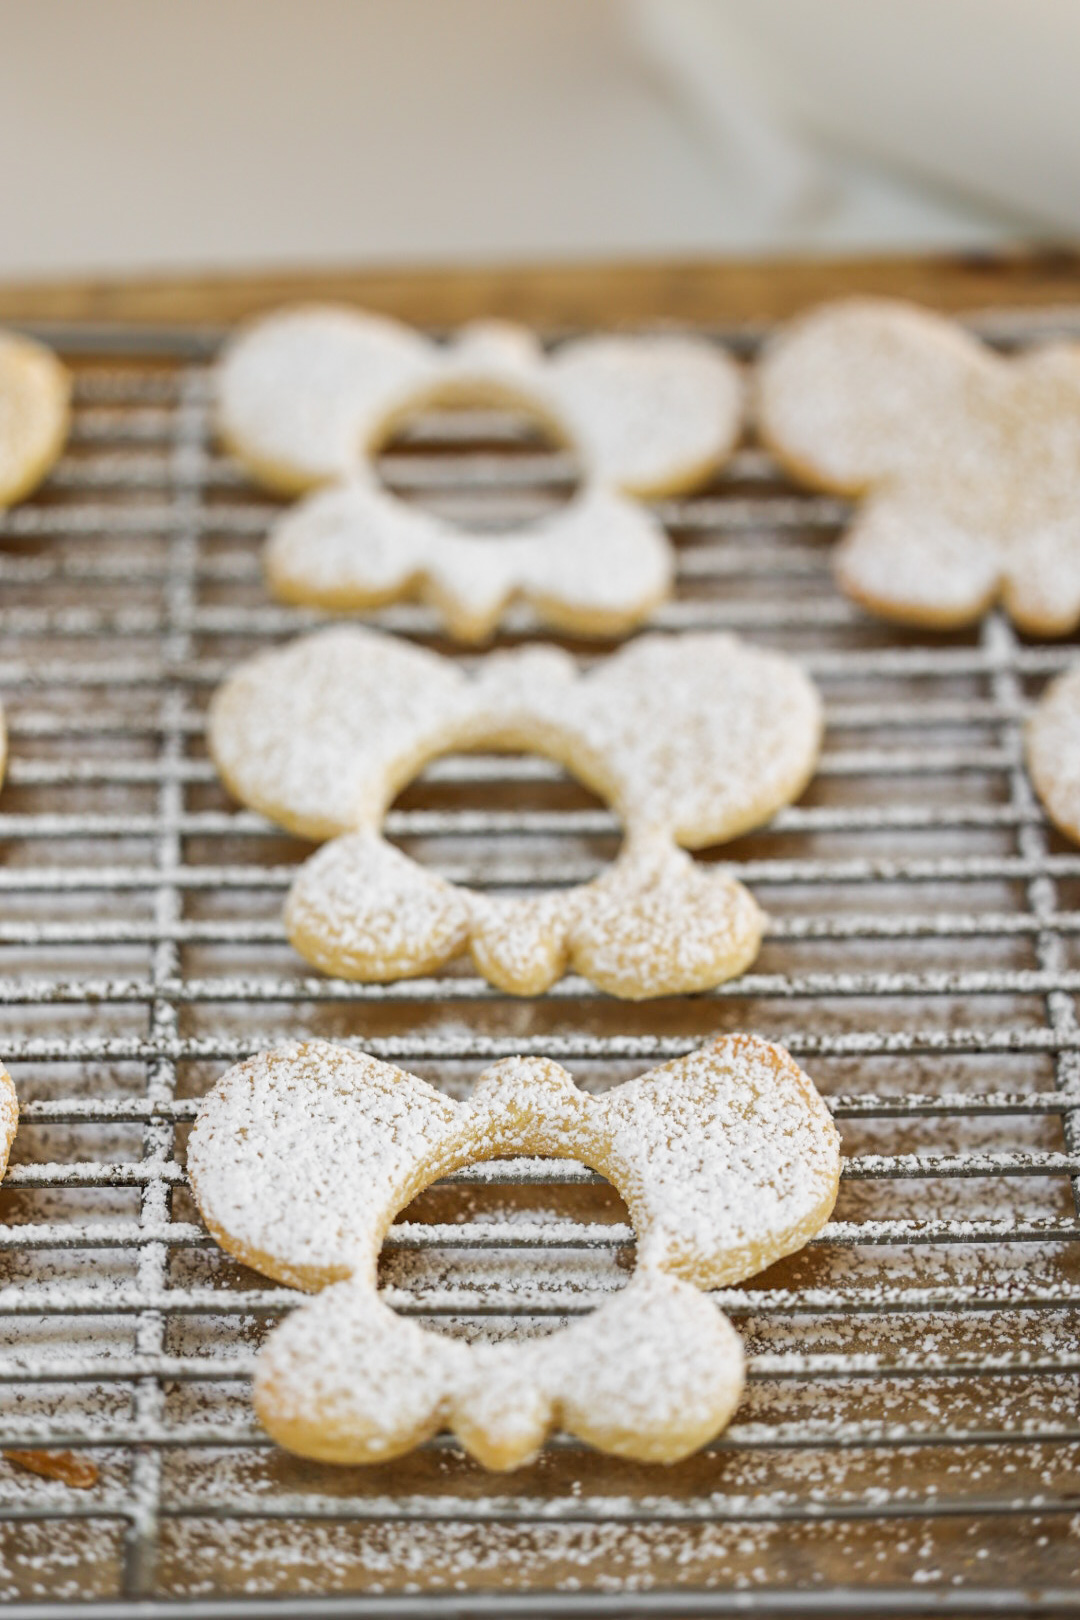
692 740
965 464
307 396
300 1158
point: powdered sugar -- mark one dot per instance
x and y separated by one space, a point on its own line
300 1158
970 462
691 740
306 395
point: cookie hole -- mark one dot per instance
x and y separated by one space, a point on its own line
507 1259
518 822
489 470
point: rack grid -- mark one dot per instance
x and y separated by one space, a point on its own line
910 1432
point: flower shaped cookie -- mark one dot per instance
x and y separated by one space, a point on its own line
35 392
692 740
967 464
300 1159
307 396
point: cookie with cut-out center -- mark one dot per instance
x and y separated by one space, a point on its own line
300 1158
307 396
35 396
965 464
692 740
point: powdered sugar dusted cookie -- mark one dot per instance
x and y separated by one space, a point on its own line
308 395
691 740
300 1159
1053 751
9 1117
966 463
35 391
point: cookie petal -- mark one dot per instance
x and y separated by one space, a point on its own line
745 741
1042 578
361 909
653 415
652 1375
906 558
499 1411
864 389
346 1380
727 1158
300 1155
598 566
347 546
302 393
657 924
319 735
519 945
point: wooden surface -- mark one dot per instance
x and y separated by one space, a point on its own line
566 295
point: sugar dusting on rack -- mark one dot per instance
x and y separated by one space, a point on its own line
910 1417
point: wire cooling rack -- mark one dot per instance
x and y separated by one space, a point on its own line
909 1438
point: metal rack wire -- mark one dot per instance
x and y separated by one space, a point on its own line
910 1431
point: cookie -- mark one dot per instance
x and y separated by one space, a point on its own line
965 463
300 1159
306 397
691 740
9 1117
35 395
62 1465
1052 745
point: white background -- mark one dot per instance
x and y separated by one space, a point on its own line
211 133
